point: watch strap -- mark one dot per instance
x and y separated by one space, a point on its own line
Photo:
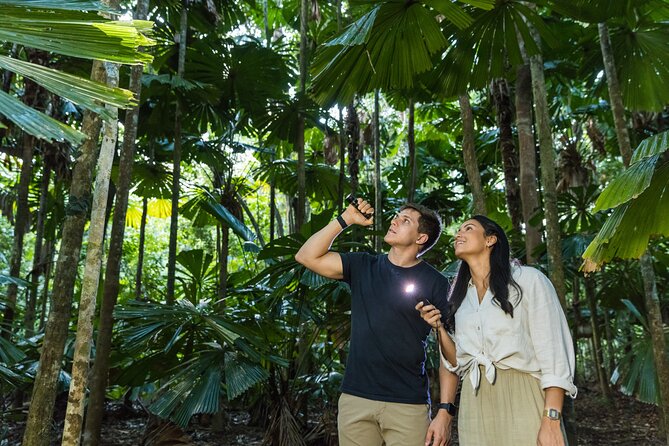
448 407
342 222
552 414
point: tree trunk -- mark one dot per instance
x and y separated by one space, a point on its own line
501 97
353 145
48 256
223 252
176 167
548 182
343 143
110 292
469 155
615 94
140 250
38 426
378 185
652 301
38 256
21 224
74 417
590 292
300 212
411 143
529 195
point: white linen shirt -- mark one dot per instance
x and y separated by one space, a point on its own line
536 340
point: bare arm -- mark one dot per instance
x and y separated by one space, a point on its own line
439 432
315 254
432 316
550 433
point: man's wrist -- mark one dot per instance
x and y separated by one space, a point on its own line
449 408
342 222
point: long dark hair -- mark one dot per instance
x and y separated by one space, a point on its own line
500 274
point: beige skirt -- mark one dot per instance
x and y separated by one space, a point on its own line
506 413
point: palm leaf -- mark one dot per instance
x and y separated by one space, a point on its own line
653 145
626 232
398 46
628 185
89 94
241 375
485 50
36 123
76 34
75 5
642 61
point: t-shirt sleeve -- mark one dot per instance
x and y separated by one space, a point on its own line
350 262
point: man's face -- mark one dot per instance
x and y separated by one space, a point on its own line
403 230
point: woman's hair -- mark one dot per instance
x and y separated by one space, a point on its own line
500 274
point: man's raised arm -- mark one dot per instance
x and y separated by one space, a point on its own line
315 254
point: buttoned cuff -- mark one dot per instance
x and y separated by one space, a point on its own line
556 381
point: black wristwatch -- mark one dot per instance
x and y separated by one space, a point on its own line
448 407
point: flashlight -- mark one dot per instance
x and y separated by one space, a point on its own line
410 288
352 199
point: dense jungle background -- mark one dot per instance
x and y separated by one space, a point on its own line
162 161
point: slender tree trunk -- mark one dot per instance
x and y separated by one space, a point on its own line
38 256
469 155
176 168
21 224
300 213
529 195
353 145
252 219
411 143
343 143
609 344
140 250
378 185
74 417
548 182
652 301
38 426
590 292
110 292
224 250
615 94
44 298
501 96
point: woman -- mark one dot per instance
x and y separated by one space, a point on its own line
508 340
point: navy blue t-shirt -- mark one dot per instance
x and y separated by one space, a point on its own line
387 355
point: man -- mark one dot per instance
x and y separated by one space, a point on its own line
385 393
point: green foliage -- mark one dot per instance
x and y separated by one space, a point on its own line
641 197
196 350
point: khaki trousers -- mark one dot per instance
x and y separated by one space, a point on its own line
364 422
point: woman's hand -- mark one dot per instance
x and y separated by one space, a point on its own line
550 433
430 314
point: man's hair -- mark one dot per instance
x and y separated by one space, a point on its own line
429 223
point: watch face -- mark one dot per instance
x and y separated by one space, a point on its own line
553 414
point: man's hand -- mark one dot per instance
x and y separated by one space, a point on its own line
439 432
353 216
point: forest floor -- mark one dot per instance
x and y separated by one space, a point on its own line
625 422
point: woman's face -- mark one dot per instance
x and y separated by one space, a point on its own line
470 240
